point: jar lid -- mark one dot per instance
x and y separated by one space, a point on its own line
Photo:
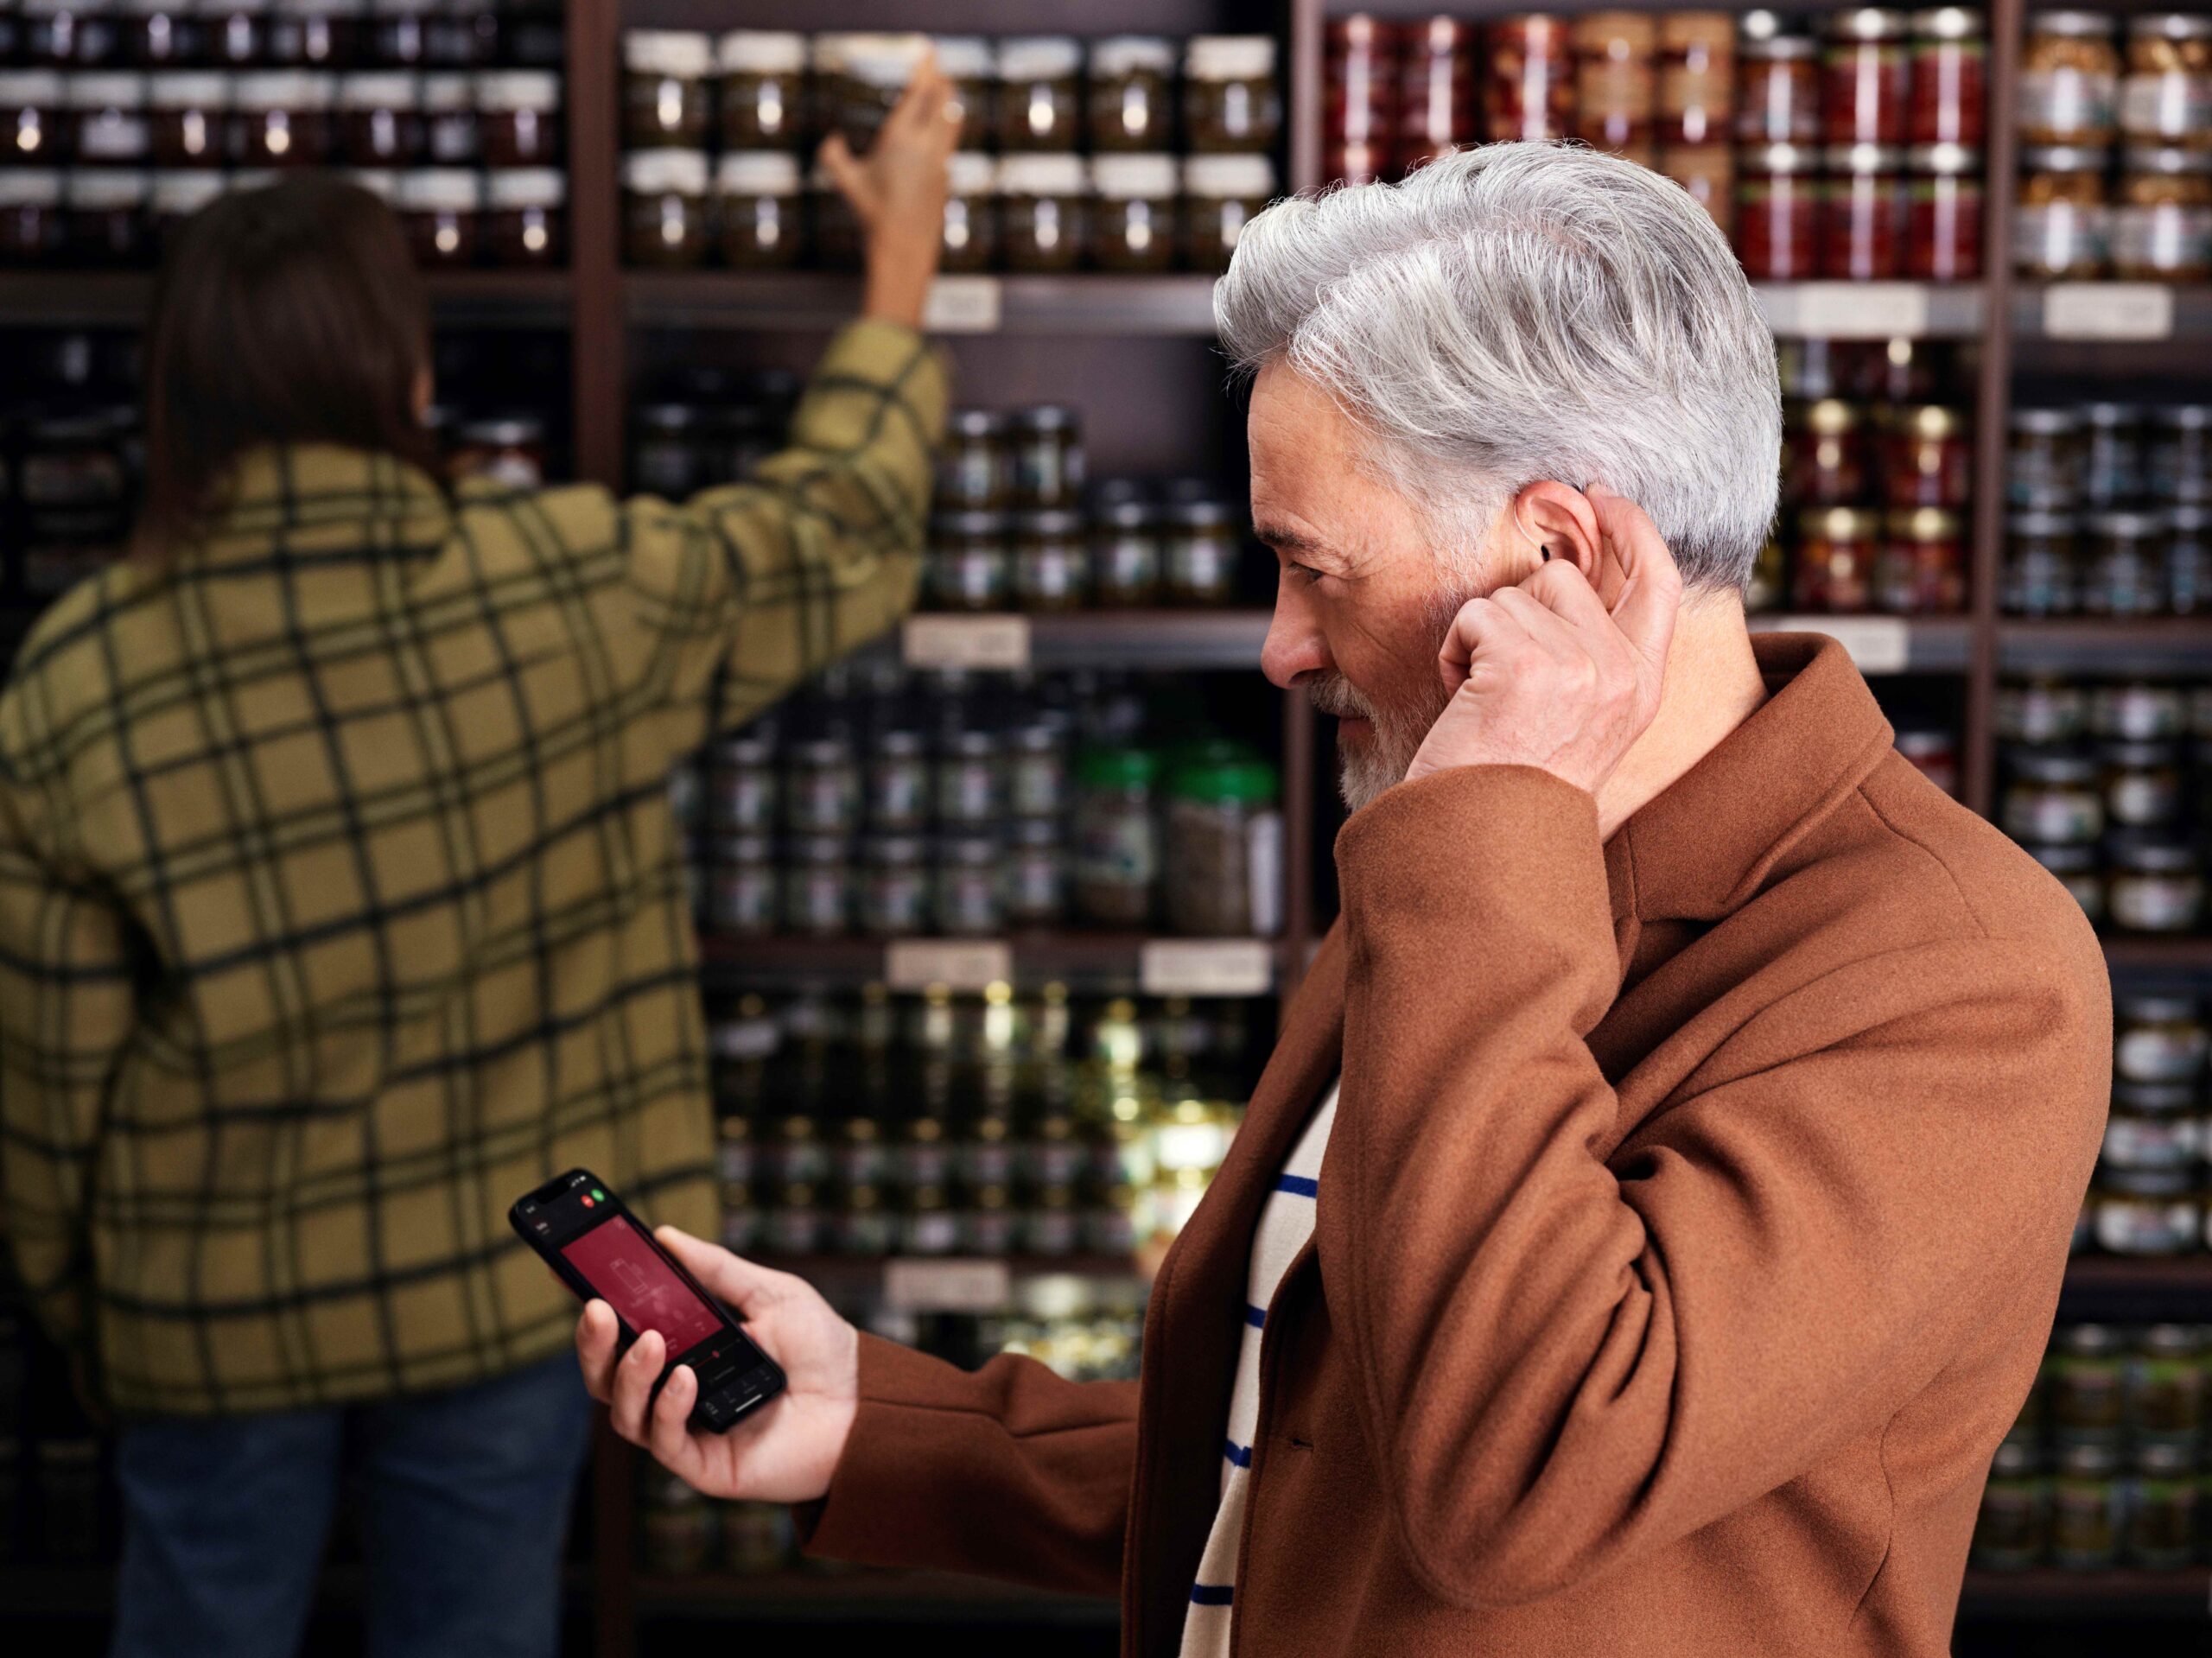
438 189
1133 178
1781 158
968 851
381 182
1620 33
1200 512
2189 521
883 62
967 526
1778 48
2164 1460
975 422
899 741
668 416
185 89
822 751
1129 55
1041 175
106 190
29 187
684 54
964 57
761 52
1864 158
1933 420
1041 736
2123 521
1838 523
1948 23
2088 1461
175 194
31 88
2065 860
743 848
2112 414
322 8
1117 768
2092 25
2146 855
516 187
2183 416
665 172
971 173
2051 764
896 850
2040 524
752 746
1943 160
1229 177
2062 158
1831 417
1125 514
505 92
1864 23
1048 522
379 89
757 172
2012 1460
448 93
2156 1010
2170 26
1237 780
283 89
1040 57
2046 423
110 90
1925 524
1230 57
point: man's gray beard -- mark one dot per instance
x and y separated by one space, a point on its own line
1395 738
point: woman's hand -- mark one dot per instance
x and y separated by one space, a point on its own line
897 190
785 1450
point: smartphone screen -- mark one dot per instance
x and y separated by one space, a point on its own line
637 1284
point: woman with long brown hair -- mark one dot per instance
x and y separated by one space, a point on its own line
340 902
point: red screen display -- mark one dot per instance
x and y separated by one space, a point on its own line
626 1270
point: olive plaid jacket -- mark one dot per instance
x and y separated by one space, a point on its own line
341 902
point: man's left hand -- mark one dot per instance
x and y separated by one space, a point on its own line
1553 675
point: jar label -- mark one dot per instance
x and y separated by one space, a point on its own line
2157 903
2152 1055
2139 1226
2133 1142
2165 237
2068 103
2171 105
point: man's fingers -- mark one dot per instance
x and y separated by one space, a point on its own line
736 1282
633 1385
1651 583
596 1334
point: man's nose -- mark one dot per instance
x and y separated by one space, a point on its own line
1295 644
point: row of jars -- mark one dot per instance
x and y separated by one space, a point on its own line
1859 213
2080 87
280 33
754 209
2107 455
1846 452
2149 220
1851 561
1129 551
2123 561
279 118
754 89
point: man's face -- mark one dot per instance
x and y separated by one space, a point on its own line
1362 601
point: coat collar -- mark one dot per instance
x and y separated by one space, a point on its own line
320 497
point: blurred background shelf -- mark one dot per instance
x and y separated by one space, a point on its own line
66 299
2047 1592
2146 644
1106 963
2116 1289
779 302
867 1597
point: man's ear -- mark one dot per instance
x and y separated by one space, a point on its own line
1563 524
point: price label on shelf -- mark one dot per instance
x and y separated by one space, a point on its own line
1835 310
956 963
1205 967
911 1284
1879 644
2108 310
962 305
1000 642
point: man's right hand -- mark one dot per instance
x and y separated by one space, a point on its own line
898 191
784 1452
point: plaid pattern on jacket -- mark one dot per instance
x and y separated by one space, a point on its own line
340 900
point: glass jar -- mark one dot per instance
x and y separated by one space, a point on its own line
1116 836
2069 79
450 123
33 129
1036 874
757 209
968 62
1615 58
2112 469
1231 99
440 209
186 115
1124 553
318 33
2153 1128
822 788
975 464
2043 461
2167 95
2153 884
1223 872
1922 569
968 784
2061 226
1134 218
898 784
2078 870
519 117
2158 1039
1040 94
1199 550
2162 224
1436 102
668 449
1863 208
525 217
763 80
1865 78
741 891
894 888
1037 771
1708 173
30 216
1128 106
1052 568
2146 1213
2041 711
860 78
1835 561
505 449
665 91
1222 194
1042 218
2012 1532
2053 799
1777 218
380 119
1943 220
2137 711
2125 574
2085 1509
744 785
103 215
1949 58
70 34
2159 1506
283 117
2189 560
971 214
2181 454
1697 60
817 887
664 207
2041 577
1778 89
1045 445
1360 70
108 119
1528 90
1927 459
969 889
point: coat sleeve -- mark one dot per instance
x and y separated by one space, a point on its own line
1563 1368
1008 1471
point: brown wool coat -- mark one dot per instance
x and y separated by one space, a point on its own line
1688 1238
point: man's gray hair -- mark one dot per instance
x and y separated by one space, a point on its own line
1521 312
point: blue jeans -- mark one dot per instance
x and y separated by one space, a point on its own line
465 1513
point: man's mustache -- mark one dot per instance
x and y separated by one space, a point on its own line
1332 693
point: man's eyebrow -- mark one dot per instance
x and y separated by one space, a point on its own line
1289 540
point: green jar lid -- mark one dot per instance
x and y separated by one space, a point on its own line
1117 768
1243 780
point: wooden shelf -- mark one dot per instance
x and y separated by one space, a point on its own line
2114 1289
783 302
2147 958
1124 964
1887 644
1884 310
2047 1592
2149 644
2105 315
851 1597
119 298
1181 640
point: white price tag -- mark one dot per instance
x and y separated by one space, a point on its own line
1879 644
921 1285
1832 310
1000 642
956 963
1205 967
962 305
2108 310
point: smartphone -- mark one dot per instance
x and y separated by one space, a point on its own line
597 1248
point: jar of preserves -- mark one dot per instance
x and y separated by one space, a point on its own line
2053 798
817 887
970 897
33 128
897 784
2041 576
665 91
971 214
1042 218
519 117
763 78
2154 885
1045 444
1129 105
1223 874
526 216
1615 79
1036 874
1116 836
2041 711
969 786
2167 95
1777 212
741 890
975 464
441 210
1052 566
1199 550
283 117
894 897
745 789
1360 118
2181 454
30 216
2151 1127
2069 79
1528 78
1436 102
2189 560
1697 64
1231 99
1863 207
108 118
380 118
2113 468
1124 552
1949 58
1943 222
756 208
505 449
1778 89
2124 573
1040 94
2085 1509
1921 568
318 33
1865 77
1037 771
187 112
664 207
1835 560
2137 711
968 62
1708 173
1135 225
822 788
1222 194
2062 227
2159 1040
104 216
2159 1506
1927 459
2012 1532
450 123
2043 462
668 449
2162 224
2147 1212
970 566
72 489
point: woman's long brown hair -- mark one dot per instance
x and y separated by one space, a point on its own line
288 313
